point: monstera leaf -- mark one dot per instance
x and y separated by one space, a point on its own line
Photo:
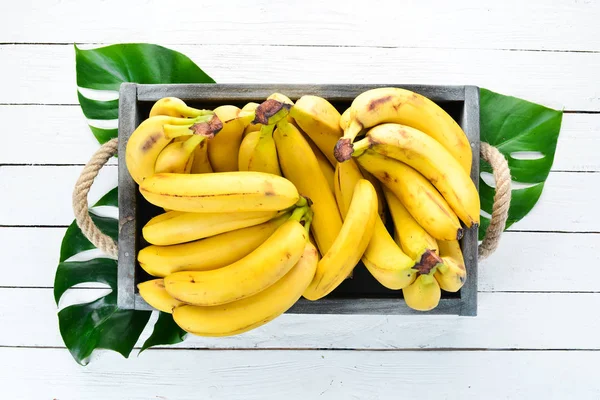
526 134
105 68
101 324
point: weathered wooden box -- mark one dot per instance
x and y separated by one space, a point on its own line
360 295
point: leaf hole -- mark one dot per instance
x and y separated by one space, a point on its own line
527 155
485 214
88 255
104 123
489 180
106 211
99 95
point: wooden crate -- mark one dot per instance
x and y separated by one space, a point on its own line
360 295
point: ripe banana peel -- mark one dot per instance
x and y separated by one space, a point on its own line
320 120
396 105
153 292
247 276
258 152
350 244
417 194
210 253
300 165
451 275
432 160
174 107
384 259
177 156
175 227
200 161
149 139
224 192
249 313
423 294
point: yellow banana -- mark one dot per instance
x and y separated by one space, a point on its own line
206 254
432 160
383 257
250 108
224 148
153 292
299 164
414 240
321 122
345 119
200 162
175 157
258 152
155 133
451 274
381 205
285 100
174 107
402 106
423 294
349 245
249 313
326 168
181 227
417 194
223 192
248 276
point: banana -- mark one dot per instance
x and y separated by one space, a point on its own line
451 274
174 107
206 254
383 257
223 192
402 106
345 119
223 149
417 194
324 163
381 205
423 294
414 240
153 292
285 100
299 164
175 157
251 107
248 276
249 313
175 227
321 122
155 133
432 160
200 161
258 152
350 244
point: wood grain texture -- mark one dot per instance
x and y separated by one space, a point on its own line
516 73
504 321
64 138
570 198
252 375
525 261
429 23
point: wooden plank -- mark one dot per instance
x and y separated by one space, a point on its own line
504 321
66 139
264 375
571 198
524 262
567 80
42 195
46 135
566 25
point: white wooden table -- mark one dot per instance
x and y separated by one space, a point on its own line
538 330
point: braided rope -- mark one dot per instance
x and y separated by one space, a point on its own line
80 202
501 199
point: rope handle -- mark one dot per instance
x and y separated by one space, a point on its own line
109 149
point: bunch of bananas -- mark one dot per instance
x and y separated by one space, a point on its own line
275 201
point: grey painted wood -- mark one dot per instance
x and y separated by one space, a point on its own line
128 121
465 304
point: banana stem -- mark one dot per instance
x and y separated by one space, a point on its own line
192 112
271 111
173 131
266 130
298 213
361 146
190 144
177 127
307 218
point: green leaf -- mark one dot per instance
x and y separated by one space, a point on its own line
515 125
100 325
166 331
109 199
71 273
106 68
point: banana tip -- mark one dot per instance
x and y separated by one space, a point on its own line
343 150
428 261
